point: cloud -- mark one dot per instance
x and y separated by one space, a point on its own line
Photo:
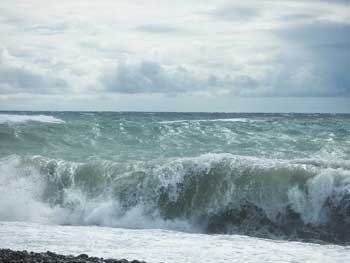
17 77
321 52
346 2
292 74
149 77
299 17
230 12
187 48
58 28
317 33
157 29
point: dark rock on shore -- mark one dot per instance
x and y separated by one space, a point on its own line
10 256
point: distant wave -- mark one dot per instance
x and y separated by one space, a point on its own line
215 193
17 118
209 120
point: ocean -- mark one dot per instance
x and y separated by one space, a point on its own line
177 187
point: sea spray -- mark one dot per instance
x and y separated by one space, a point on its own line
221 193
266 175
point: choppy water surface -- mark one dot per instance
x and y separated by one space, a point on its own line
278 176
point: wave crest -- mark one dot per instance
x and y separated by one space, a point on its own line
17 118
216 193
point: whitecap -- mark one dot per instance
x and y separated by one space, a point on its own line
207 120
17 118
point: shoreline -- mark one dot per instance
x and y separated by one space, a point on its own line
13 256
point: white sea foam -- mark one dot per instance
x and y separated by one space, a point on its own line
155 246
18 118
24 186
22 190
208 120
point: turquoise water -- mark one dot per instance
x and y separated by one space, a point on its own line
146 136
270 175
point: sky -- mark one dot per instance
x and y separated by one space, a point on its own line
184 55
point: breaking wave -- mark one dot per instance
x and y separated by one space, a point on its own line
17 118
208 120
211 193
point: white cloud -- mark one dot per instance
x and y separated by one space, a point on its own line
18 77
255 48
150 77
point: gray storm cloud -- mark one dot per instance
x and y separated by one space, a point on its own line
19 78
230 49
323 50
149 77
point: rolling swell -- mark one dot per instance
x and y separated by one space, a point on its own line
211 193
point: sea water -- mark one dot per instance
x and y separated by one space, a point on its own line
176 187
